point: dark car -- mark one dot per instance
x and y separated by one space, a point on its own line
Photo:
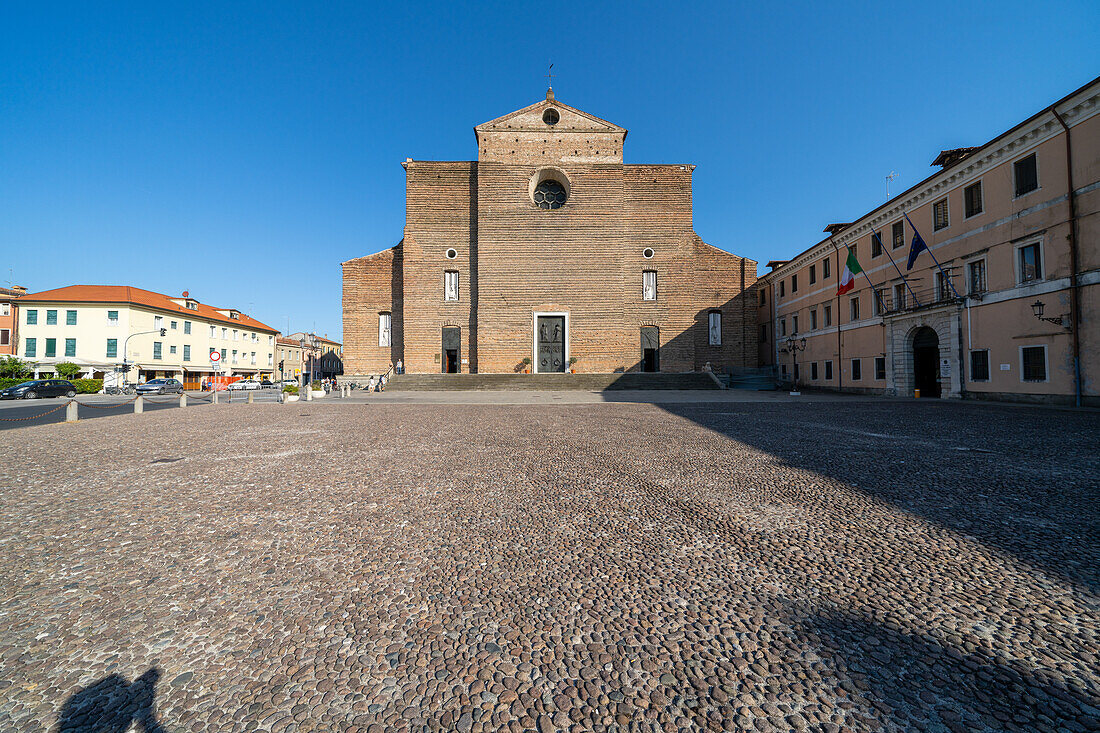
266 384
39 388
161 386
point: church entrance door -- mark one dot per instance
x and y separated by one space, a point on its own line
651 349
452 345
550 343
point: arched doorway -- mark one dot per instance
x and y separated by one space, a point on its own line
926 362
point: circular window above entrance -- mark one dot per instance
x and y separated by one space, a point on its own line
647 253
549 195
451 254
551 116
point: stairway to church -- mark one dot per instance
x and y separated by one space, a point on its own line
549 382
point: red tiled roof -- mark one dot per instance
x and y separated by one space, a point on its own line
137 296
287 342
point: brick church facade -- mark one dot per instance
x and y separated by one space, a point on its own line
548 248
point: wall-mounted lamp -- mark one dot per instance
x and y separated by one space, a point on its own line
1038 307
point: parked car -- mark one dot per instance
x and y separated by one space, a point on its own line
245 384
39 388
161 386
266 383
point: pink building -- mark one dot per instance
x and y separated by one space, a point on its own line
1014 225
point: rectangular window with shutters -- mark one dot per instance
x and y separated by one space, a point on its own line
384 321
854 308
1030 263
32 317
939 215
1033 363
972 197
112 318
171 349
450 285
979 365
828 370
187 326
70 347
876 244
31 348
223 355
813 319
51 318
1026 174
880 368
943 287
186 352
253 358
112 348
236 335
827 315
51 347
70 318
879 305
173 325
825 268
234 356
213 332
857 369
225 334
715 332
813 274
5 336
158 348
976 276
813 370
898 232
649 285
899 297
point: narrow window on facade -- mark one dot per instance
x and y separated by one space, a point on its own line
158 321
976 271
763 297
876 244
171 349
782 326
979 365
225 334
187 326
715 331
5 309
223 355
5 336
828 370
70 318
31 348
1034 366
813 319
51 347
270 359
649 285
450 285
794 324
112 318
70 347
943 287
880 368
813 370
899 297
880 301
173 325
1031 265
1026 173
157 349
854 305
186 352
112 348
794 283
972 196
235 335
32 317
234 356
763 333
384 329
857 369
899 234
213 332
51 318
253 357
782 289
939 215
825 268
813 274
827 315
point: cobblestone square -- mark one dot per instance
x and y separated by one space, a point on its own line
826 566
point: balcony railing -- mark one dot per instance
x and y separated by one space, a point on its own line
922 296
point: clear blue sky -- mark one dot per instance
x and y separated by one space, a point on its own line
154 144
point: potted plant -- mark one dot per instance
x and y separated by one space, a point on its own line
572 365
526 365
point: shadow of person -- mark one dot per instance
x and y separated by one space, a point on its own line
111 705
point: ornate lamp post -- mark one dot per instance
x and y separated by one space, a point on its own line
793 345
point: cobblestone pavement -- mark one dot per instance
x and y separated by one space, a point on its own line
819 566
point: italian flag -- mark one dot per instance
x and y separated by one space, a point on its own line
851 269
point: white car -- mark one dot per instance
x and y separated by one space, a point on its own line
245 384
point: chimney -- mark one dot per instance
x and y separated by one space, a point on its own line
21 289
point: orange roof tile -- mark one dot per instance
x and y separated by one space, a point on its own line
136 296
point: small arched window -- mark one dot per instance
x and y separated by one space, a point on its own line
549 194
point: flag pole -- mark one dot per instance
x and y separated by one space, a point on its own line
896 268
929 249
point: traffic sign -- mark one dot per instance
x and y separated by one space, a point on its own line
215 356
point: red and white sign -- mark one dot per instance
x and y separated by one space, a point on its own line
215 357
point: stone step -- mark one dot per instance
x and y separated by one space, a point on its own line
550 382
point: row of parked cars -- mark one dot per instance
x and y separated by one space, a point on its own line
36 388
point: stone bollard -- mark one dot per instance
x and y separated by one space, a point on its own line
250 398
347 391
71 411
214 399
139 405
183 399
309 392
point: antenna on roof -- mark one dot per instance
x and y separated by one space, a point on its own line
892 176
550 76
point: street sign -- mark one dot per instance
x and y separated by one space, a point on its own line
215 357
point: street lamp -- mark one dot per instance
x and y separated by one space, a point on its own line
1038 307
126 348
793 345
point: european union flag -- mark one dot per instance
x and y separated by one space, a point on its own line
916 248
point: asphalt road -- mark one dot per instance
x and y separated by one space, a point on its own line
22 413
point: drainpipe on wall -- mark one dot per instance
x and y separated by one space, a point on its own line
839 352
1075 285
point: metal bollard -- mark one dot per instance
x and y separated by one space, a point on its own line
214 399
71 411
183 399
139 405
250 397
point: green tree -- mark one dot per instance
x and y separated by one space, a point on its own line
67 370
12 367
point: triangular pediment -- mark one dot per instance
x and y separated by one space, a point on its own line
570 119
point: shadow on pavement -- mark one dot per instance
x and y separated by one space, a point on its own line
111 705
